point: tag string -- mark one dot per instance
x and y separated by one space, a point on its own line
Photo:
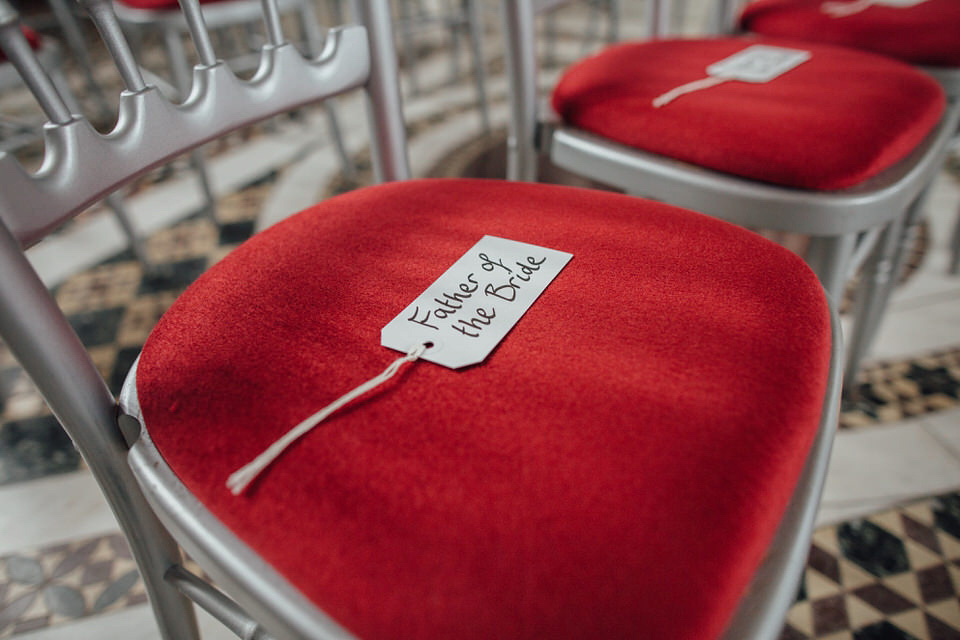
690 87
241 478
841 9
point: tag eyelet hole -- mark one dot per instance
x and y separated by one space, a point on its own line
428 344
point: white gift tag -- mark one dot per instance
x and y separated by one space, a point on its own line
468 310
758 63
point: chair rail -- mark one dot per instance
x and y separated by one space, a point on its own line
151 129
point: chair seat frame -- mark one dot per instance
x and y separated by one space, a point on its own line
270 598
832 214
265 594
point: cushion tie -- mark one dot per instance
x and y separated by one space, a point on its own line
696 85
842 9
241 478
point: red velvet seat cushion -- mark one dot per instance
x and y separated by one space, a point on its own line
616 468
830 123
927 33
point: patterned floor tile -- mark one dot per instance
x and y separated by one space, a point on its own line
65 582
104 287
113 307
889 576
891 391
20 397
33 448
192 239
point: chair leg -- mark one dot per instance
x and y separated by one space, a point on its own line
592 29
878 279
199 164
333 124
454 24
881 273
409 45
475 24
909 233
336 8
550 39
829 257
156 554
115 202
954 267
73 389
613 21
521 62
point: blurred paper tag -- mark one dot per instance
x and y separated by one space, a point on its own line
468 310
843 9
758 63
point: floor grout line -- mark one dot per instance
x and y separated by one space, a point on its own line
948 447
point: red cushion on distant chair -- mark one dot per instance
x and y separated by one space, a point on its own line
33 38
832 122
927 33
158 5
615 469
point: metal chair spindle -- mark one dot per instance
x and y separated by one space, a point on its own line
103 17
20 53
271 19
199 32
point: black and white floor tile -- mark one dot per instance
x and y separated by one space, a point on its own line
890 576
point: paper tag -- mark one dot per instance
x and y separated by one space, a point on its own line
849 8
758 63
475 303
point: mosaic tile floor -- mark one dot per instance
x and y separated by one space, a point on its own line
891 391
892 576
113 307
65 582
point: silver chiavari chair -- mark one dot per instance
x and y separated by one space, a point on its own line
844 224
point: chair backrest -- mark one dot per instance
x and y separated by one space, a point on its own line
81 166
18 133
519 22
151 130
